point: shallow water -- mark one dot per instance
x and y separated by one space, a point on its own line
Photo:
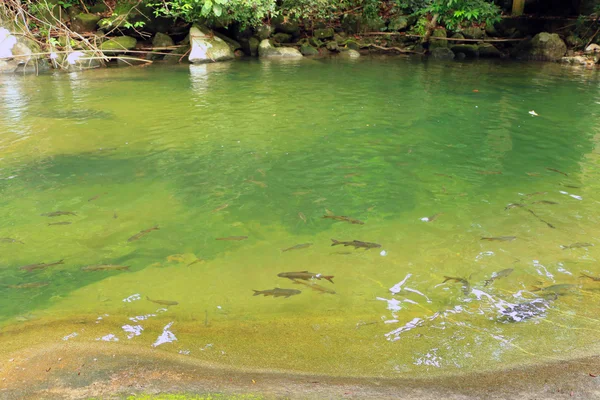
265 150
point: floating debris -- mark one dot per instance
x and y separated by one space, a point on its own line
60 223
166 336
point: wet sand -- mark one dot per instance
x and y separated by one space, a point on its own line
107 371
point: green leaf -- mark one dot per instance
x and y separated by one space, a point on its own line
217 10
206 8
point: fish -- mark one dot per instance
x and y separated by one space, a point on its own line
328 212
533 173
355 184
489 172
595 279
105 267
315 287
305 275
513 205
32 267
28 285
556 289
535 194
230 238
163 302
356 244
445 175
546 222
277 292
466 286
297 247
302 216
258 183
344 218
544 202
60 223
96 196
58 213
432 218
224 206
499 238
557 171
320 200
577 245
262 172
571 186
301 193
142 233
497 275
10 240
351 175
196 261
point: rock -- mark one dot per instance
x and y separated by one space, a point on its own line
339 39
438 33
84 23
332 46
119 43
207 47
308 50
442 53
350 54
266 50
250 46
460 56
577 60
593 48
313 41
490 30
469 50
326 33
264 32
177 54
546 46
238 53
282 38
376 24
473 32
7 42
162 40
458 35
234 44
79 60
488 50
352 44
398 23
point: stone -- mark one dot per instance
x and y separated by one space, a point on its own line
313 41
469 50
79 60
350 54
458 35
593 48
7 42
264 32
438 33
206 47
352 44
162 40
399 23
177 54
326 33
473 32
119 43
234 44
282 38
376 24
82 23
547 46
339 39
576 60
488 50
267 50
442 53
460 56
332 46
490 30
308 50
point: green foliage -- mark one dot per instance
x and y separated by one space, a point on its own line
454 13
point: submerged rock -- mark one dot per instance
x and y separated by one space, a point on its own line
119 43
442 53
469 50
308 50
206 47
489 50
267 50
82 23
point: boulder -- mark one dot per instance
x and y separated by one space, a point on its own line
206 47
325 33
162 40
79 60
442 53
350 54
352 44
264 32
488 50
82 23
119 43
469 50
332 46
398 23
546 46
234 44
593 48
7 42
473 32
282 38
376 24
339 39
267 50
438 33
308 50
313 41
576 60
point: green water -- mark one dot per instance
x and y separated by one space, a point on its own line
265 150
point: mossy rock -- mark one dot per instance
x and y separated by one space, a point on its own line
250 46
308 50
376 24
469 50
442 53
352 44
119 43
85 23
313 41
398 23
264 32
162 40
267 50
326 33
473 32
332 46
282 37
488 50
283 26
436 44
350 54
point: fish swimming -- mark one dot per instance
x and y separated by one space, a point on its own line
315 287
142 233
163 302
28 285
544 202
229 238
357 244
595 279
497 275
576 245
344 218
297 247
302 216
10 240
96 196
60 223
105 267
556 289
33 267
224 206
196 261
277 292
305 275
489 172
538 217
258 183
535 194
466 286
557 171
513 205
432 218
58 213
499 238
